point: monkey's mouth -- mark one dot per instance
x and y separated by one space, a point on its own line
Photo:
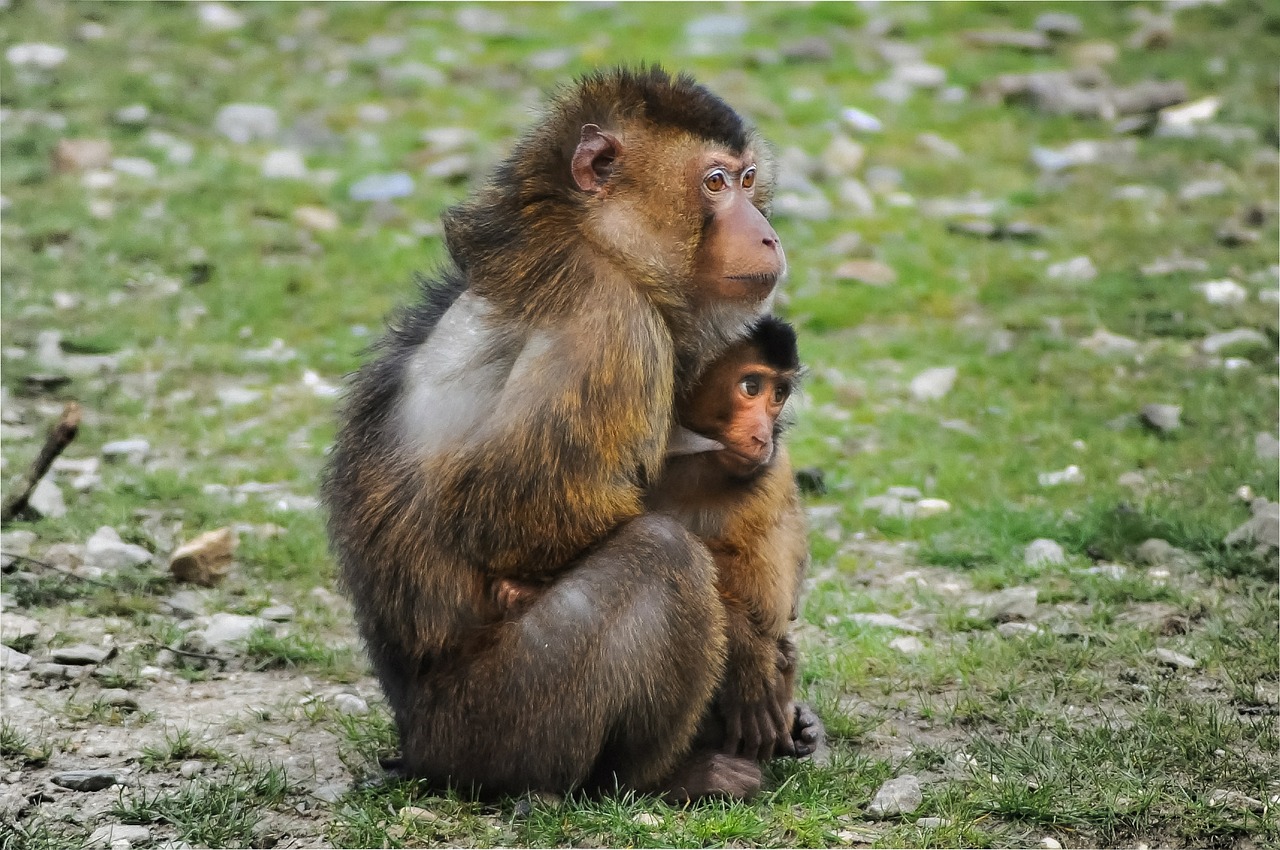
767 280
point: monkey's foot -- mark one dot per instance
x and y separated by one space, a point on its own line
808 735
708 774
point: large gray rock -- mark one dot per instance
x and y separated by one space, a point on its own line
106 550
896 797
247 122
1262 529
85 780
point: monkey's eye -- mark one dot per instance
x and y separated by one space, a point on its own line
750 386
749 177
716 181
781 393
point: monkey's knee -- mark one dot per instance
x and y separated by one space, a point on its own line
662 547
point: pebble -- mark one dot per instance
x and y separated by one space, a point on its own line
107 551
350 704
1104 342
1235 800
944 149
330 792
1047 843
1010 630
843 156
80 654
417 813
932 384
1174 659
135 449
1043 552
185 604
863 122
1222 292
134 115
79 155
482 20
1177 120
1165 418
317 218
382 187
277 613
46 500
191 768
18 627
883 621
85 780
1058 25
12 660
1266 446
1262 529
932 507
907 645
1012 603
45 57
284 164
224 628
1237 338
118 698
119 835
243 123
50 672
1070 475
219 17
1076 270
648 819
896 797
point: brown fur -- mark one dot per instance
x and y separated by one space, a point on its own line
588 305
755 528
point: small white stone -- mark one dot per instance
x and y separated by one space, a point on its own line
933 383
1043 552
219 18
46 57
907 645
135 166
1076 270
1050 843
932 507
284 164
1224 292
1070 475
863 122
350 704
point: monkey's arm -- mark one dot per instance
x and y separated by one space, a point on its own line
580 426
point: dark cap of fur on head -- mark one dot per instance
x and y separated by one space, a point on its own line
777 342
652 93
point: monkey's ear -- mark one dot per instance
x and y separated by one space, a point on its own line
593 158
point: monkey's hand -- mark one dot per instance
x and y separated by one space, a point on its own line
758 717
807 732
514 597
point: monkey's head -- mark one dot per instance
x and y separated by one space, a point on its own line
648 174
675 187
738 401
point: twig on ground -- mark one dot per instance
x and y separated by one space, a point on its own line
60 436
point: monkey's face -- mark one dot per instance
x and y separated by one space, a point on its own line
740 257
738 403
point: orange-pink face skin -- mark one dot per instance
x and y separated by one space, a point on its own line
737 403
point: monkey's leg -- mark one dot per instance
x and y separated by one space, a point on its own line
606 673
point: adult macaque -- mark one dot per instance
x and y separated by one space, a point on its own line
736 492
507 430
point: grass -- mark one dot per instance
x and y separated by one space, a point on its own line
218 812
190 279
